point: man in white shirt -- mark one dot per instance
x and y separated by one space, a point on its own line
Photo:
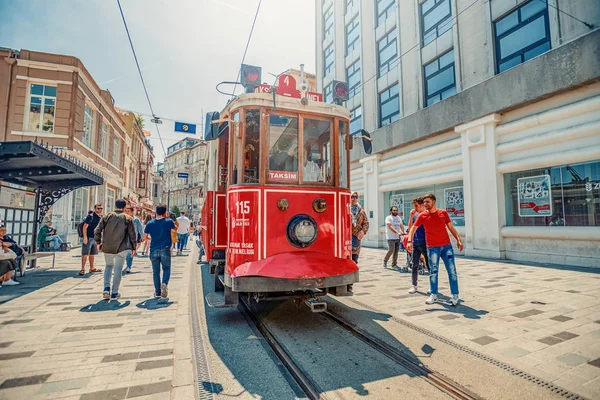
182 232
393 229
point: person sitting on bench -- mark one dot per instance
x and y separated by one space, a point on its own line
48 234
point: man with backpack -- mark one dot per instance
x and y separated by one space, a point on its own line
139 231
89 247
116 238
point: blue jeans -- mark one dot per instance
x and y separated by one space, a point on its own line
129 260
160 257
182 240
56 241
446 253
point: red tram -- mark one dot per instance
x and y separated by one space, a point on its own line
277 200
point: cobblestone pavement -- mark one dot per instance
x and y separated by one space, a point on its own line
541 319
59 340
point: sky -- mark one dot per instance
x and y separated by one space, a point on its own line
184 47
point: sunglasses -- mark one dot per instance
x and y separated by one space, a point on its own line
98 208
354 197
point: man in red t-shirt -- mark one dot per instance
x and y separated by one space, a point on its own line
438 244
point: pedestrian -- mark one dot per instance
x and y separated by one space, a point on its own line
9 251
89 249
198 233
174 231
48 234
393 229
159 232
183 227
146 243
360 225
139 233
418 242
438 244
116 238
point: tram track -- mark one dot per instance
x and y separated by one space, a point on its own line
312 389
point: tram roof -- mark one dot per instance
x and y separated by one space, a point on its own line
286 104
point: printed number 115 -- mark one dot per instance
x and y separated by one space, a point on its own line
242 207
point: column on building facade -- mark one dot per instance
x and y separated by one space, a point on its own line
373 200
483 188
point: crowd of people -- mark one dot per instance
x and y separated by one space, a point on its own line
426 239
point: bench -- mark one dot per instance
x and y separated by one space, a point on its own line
33 257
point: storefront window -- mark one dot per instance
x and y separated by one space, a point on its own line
449 197
566 195
283 149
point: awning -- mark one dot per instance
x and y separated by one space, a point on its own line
34 165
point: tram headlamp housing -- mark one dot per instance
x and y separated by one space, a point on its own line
301 231
319 205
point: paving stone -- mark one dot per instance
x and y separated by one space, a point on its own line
145 390
415 313
573 359
120 357
550 340
448 317
24 381
4 345
78 328
518 291
109 326
64 303
113 394
595 363
485 340
561 318
125 314
154 364
515 352
70 384
156 353
12 356
16 321
565 335
71 308
493 286
160 330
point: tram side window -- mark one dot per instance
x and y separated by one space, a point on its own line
252 146
317 151
283 148
343 154
235 147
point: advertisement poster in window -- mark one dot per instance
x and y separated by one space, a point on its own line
398 201
455 203
16 198
535 197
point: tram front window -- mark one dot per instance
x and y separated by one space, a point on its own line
317 151
283 148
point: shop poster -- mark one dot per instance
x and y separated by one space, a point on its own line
15 198
454 201
535 197
398 201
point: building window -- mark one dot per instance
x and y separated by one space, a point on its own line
329 60
385 8
356 120
110 200
41 97
142 179
349 5
88 125
353 79
440 79
115 155
387 50
328 97
389 106
155 190
352 35
103 141
554 196
436 18
522 35
328 21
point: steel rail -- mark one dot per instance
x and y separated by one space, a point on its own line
436 379
308 386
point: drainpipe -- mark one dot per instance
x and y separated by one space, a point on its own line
11 62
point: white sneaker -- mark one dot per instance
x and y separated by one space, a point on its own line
412 290
10 282
432 299
454 299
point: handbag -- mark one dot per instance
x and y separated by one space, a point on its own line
8 255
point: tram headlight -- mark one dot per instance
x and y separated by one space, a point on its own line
319 205
301 231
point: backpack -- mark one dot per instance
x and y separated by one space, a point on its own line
80 229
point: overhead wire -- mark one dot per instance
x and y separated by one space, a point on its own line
247 45
141 76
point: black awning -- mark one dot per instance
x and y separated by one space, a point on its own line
33 165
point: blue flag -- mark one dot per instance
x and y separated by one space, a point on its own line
185 128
